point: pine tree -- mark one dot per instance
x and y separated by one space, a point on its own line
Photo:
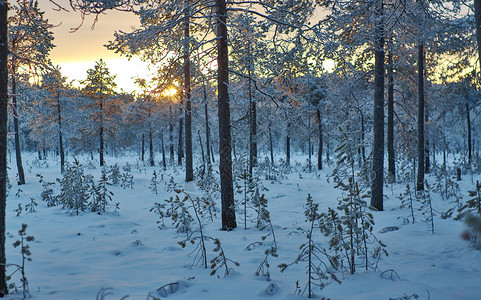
99 86
29 42
3 139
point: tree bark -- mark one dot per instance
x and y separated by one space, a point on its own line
60 137
164 162
427 158
207 128
319 151
3 139
180 145
271 148
189 168
225 164
143 146
101 151
468 121
18 153
390 119
420 175
288 145
378 126
151 148
477 18
171 141
252 119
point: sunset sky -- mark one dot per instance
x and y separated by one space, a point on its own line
77 51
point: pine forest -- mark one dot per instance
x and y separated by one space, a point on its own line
289 149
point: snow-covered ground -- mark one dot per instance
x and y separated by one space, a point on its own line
73 257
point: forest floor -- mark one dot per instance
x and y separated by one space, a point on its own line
124 253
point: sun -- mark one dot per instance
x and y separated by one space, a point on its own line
169 92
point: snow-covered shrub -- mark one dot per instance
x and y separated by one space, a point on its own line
47 192
114 174
127 180
426 206
154 183
75 188
321 266
471 213
407 200
30 207
100 194
221 261
20 268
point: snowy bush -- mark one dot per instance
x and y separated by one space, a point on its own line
75 188
47 192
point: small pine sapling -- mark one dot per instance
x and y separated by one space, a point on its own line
473 205
26 256
75 187
246 187
18 210
426 206
180 214
260 206
221 261
114 174
30 207
171 185
153 183
127 180
100 194
159 209
471 213
210 186
263 269
197 235
407 201
320 273
47 192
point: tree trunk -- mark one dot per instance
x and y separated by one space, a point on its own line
378 126
225 164
319 150
288 145
207 128
101 151
164 162
420 176
309 140
201 147
427 158
468 121
327 148
189 168
21 173
271 148
477 17
390 119
143 146
180 147
252 120
151 148
60 137
171 140
3 140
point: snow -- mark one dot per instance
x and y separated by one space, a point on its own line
124 252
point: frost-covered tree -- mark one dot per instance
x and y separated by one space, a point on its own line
29 42
99 87
3 140
53 82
